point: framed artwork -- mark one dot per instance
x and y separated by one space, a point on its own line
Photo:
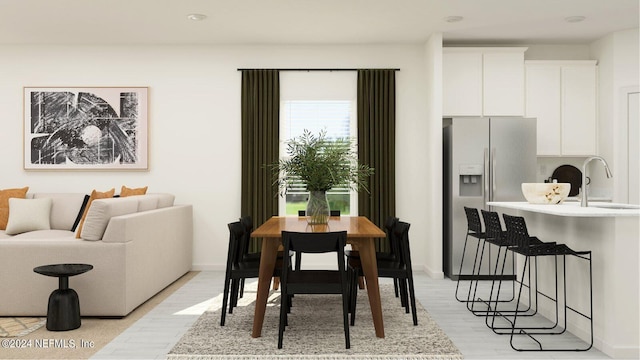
85 128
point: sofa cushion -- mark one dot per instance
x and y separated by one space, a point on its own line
4 203
164 199
66 209
125 191
101 211
94 195
28 215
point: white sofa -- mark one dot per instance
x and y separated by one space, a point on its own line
137 245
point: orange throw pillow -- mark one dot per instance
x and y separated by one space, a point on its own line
4 203
94 195
125 191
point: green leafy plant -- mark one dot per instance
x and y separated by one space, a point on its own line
321 164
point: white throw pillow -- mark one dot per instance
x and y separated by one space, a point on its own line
28 215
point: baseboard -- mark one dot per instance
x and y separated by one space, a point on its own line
207 267
437 275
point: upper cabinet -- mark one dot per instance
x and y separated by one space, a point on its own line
562 96
483 81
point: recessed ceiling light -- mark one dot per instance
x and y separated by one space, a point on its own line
452 19
574 19
196 17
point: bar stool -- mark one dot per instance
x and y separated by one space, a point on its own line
497 237
531 247
474 229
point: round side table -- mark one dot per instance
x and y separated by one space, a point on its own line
63 311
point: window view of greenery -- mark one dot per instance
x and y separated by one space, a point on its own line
335 118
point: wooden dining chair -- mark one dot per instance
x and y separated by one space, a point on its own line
314 281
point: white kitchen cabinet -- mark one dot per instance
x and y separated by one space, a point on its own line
483 81
562 96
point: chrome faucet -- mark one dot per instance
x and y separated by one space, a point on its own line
584 202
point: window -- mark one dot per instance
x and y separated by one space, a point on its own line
317 101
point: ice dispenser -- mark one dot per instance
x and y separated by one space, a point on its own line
470 180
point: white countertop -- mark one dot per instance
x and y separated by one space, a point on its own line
572 209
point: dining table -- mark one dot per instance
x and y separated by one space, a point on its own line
361 233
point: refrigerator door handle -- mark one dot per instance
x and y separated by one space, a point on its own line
493 173
485 194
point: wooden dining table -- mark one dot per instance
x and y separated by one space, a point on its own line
361 233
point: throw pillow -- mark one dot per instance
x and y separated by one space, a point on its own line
125 191
94 195
4 203
28 215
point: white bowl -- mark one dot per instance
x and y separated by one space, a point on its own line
545 193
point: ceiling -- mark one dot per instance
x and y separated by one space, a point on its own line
311 21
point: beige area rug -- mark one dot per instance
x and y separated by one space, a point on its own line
315 331
19 326
82 343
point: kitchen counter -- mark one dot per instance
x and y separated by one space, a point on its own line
613 237
595 209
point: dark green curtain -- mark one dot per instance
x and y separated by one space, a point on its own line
376 144
260 136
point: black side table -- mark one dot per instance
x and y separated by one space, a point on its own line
63 312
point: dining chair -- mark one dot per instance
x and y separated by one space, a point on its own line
392 254
399 269
238 268
303 213
247 222
326 281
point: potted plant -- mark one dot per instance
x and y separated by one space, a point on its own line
320 163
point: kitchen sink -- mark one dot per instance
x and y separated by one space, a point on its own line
616 206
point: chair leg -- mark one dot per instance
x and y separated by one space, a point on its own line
225 298
283 315
354 296
235 284
345 314
412 297
241 288
276 282
395 287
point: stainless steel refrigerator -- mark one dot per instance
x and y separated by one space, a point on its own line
484 159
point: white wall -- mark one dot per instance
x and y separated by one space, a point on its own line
618 58
433 168
194 123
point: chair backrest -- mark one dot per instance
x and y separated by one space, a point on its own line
492 224
247 223
389 225
236 233
331 212
401 234
473 220
315 243
517 230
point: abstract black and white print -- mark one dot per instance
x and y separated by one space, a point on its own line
85 128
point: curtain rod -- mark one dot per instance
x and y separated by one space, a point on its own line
317 69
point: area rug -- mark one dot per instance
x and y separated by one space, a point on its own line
19 326
315 331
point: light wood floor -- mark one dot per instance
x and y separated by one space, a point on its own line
153 336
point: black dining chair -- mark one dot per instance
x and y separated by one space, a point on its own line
238 269
246 255
314 281
399 269
303 213
392 254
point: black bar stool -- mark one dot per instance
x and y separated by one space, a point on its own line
532 247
